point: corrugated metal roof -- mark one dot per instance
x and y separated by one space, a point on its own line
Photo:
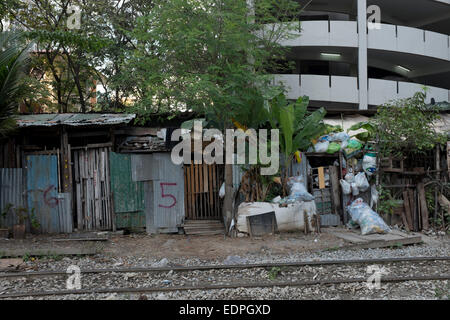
72 119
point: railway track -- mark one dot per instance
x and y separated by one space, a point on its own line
297 274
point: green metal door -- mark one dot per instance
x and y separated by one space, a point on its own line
128 195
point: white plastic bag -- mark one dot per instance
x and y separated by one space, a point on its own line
222 191
374 195
349 177
340 136
369 164
355 189
346 188
368 220
361 182
297 190
321 146
276 199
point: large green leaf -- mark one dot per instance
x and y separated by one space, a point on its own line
301 107
313 126
287 118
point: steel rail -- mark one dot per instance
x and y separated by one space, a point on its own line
13 274
221 286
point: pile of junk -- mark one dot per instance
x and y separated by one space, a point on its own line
332 185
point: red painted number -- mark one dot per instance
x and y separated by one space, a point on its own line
52 202
162 184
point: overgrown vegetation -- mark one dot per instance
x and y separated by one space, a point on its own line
387 203
406 126
274 272
156 56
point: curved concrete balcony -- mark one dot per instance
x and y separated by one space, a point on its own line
338 89
389 37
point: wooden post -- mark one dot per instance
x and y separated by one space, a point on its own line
65 162
228 200
423 205
438 178
408 213
335 191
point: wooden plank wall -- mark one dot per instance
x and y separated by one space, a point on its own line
92 189
9 154
201 184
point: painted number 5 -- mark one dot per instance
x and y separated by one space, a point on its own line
164 195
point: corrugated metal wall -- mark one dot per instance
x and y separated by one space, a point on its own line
168 194
53 210
128 195
11 192
164 190
298 169
65 213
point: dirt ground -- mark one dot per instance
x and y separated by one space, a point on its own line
182 246
213 247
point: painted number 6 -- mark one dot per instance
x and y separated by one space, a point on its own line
162 184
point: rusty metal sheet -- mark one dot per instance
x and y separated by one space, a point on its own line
11 192
72 119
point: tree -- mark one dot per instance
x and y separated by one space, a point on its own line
113 21
63 55
406 126
204 56
297 126
209 56
13 60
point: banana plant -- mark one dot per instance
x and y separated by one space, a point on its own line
297 126
368 134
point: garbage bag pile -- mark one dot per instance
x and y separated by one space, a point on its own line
297 191
350 147
354 184
339 141
359 163
368 220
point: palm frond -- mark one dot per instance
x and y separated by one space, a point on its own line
13 60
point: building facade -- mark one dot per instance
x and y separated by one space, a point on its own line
404 45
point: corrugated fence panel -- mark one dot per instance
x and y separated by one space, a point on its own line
299 169
65 212
238 173
168 194
11 192
128 195
42 190
144 167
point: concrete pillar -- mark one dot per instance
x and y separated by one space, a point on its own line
362 54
